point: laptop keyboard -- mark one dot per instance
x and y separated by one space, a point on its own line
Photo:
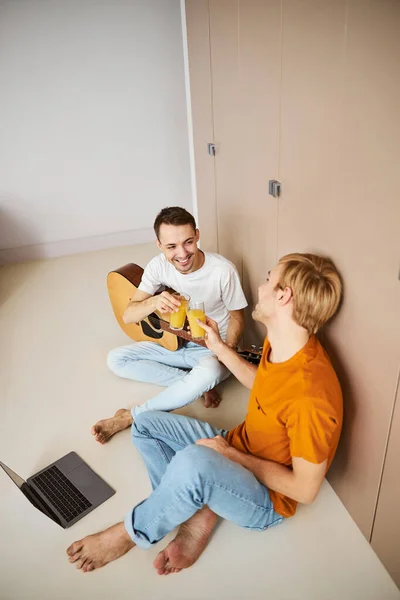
61 493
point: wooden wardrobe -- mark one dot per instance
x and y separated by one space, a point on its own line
307 93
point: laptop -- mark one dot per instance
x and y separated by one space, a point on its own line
65 491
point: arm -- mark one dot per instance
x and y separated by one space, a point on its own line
301 483
235 327
244 371
143 304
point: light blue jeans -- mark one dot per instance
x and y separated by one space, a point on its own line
187 373
185 477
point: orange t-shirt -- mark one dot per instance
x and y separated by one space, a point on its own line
295 410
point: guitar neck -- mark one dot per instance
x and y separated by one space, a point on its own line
184 334
252 355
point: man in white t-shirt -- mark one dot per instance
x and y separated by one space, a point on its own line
192 370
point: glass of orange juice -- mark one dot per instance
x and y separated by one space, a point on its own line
177 318
196 311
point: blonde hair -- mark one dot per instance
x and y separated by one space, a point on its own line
316 287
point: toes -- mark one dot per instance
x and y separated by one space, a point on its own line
80 562
163 565
75 547
160 561
74 557
161 570
99 436
87 565
98 433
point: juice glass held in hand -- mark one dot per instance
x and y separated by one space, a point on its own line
196 311
177 318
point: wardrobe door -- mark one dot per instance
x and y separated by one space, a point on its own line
386 531
340 140
245 41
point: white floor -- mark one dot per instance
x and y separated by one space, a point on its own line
56 326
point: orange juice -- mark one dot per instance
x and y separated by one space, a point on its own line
177 319
196 331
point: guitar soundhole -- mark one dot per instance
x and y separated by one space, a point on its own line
148 329
154 321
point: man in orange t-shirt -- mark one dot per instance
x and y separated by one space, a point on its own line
255 474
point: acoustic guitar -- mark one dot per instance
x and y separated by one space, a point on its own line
122 284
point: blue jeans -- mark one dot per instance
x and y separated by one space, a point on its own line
188 372
185 477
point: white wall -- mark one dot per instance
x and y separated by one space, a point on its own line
93 121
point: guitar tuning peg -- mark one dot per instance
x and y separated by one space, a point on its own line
260 348
253 347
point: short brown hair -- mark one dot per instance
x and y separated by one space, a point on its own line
316 287
173 215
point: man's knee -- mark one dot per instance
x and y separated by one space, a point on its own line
147 423
113 359
116 360
194 461
212 371
142 422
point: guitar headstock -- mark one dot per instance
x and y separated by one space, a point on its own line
252 355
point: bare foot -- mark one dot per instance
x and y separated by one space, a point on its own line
95 551
189 543
106 428
212 399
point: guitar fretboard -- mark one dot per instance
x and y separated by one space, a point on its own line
160 323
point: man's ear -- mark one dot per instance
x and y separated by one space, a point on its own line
197 235
158 243
285 296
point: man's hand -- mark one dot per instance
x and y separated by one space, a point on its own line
218 443
166 303
213 339
242 369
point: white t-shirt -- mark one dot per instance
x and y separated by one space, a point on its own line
216 284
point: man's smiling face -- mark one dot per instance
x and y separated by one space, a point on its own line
179 246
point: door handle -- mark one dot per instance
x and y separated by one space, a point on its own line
275 188
211 149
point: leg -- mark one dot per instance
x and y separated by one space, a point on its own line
212 398
206 372
195 477
159 436
148 362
